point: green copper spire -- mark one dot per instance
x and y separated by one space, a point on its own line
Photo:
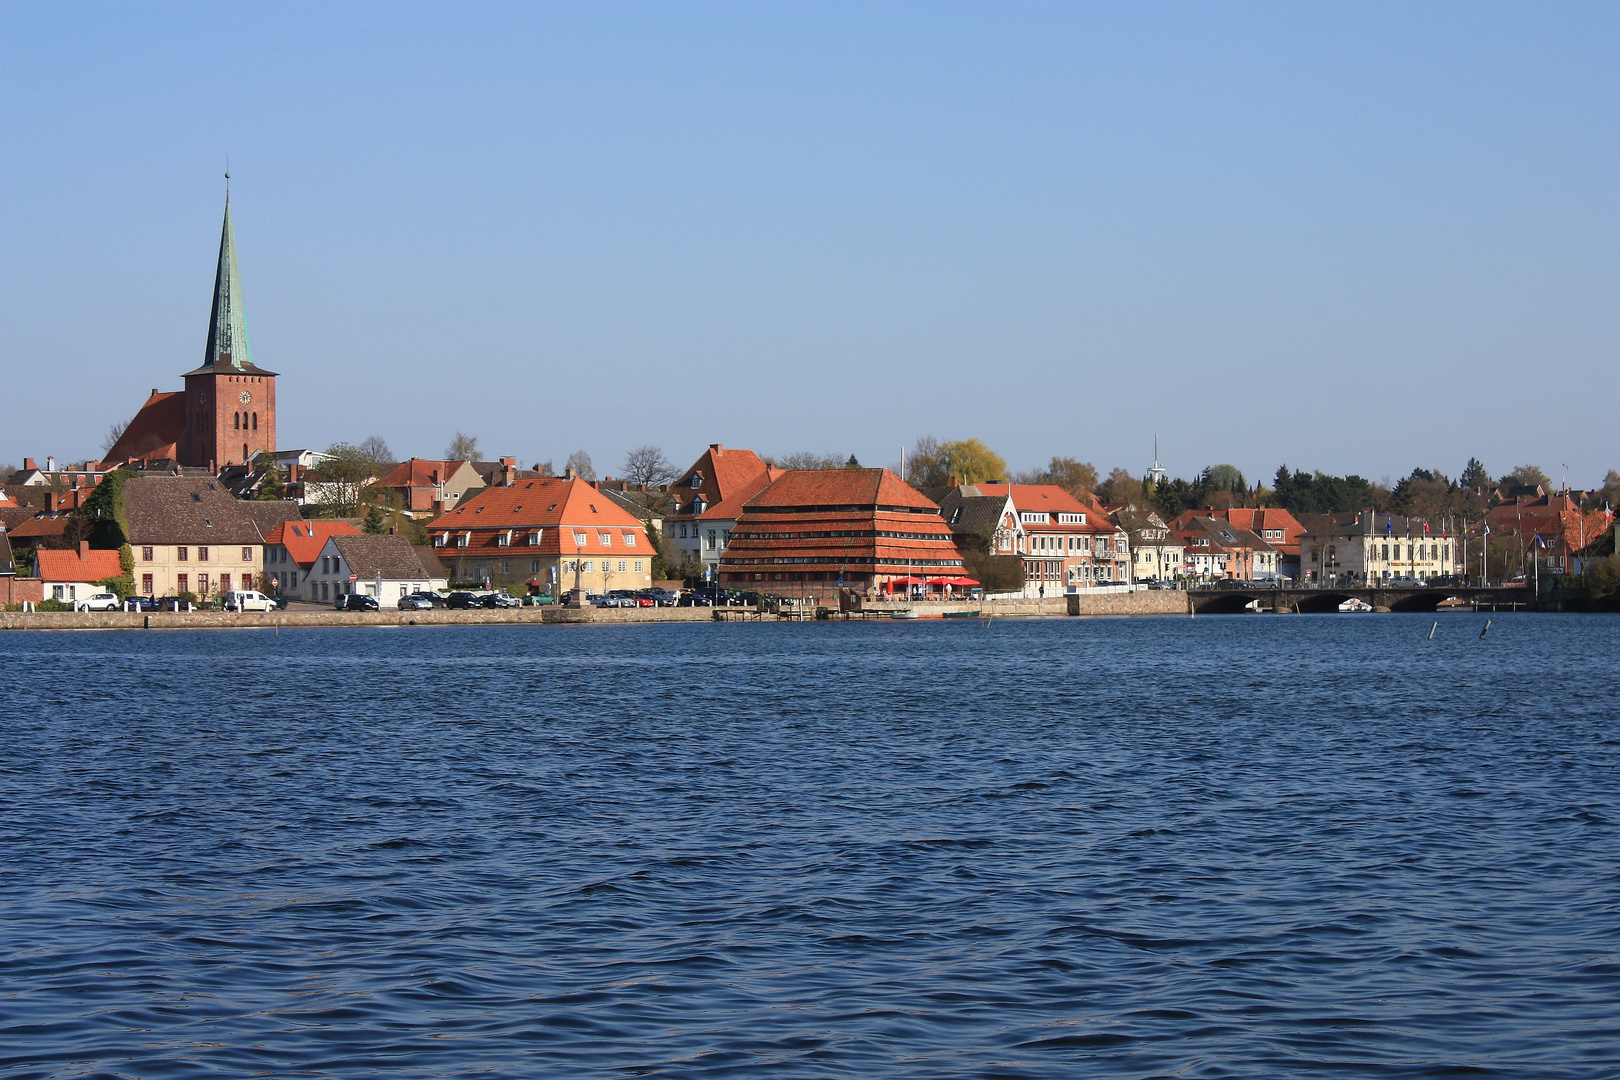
227 323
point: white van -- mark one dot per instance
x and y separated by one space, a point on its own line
247 600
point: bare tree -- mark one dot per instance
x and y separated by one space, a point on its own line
114 433
809 459
544 468
580 462
647 465
375 449
462 448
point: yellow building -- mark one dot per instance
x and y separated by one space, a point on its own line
188 534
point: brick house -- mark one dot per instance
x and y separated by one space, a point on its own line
1218 549
811 529
1274 525
546 534
427 486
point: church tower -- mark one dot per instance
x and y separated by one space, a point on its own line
230 405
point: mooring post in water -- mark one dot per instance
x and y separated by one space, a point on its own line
1433 628
1487 628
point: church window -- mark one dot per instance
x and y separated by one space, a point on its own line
255 421
236 420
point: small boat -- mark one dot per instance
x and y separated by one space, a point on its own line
974 614
906 613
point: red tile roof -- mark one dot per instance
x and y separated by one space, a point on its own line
54 564
304 539
51 523
558 508
729 479
154 432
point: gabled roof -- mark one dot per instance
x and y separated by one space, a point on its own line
304 539
730 477
42 526
390 556
1051 499
196 510
55 564
840 487
971 515
419 472
155 432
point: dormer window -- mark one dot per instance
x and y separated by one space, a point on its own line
697 481
534 537
438 540
503 539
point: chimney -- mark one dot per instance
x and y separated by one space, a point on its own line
292 472
571 474
956 481
154 391
509 462
50 463
716 449
28 463
84 549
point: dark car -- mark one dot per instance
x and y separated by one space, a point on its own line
281 600
695 599
143 603
501 600
360 602
461 600
660 597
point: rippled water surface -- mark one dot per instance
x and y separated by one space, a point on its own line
1250 846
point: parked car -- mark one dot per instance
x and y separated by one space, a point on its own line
415 602
695 599
660 597
359 602
246 600
501 600
101 601
461 600
143 603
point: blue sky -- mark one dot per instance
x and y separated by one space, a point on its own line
1356 237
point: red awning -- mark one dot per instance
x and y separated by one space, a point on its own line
908 581
952 581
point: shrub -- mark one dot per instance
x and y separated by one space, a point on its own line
1602 577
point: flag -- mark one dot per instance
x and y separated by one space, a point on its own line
1540 543
1425 526
1389 526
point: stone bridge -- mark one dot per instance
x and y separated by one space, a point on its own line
1229 601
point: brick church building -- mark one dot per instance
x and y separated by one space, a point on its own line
227 411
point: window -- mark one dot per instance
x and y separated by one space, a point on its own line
182 582
146 554
146 582
587 567
711 539
202 554
534 566
225 583
464 539
638 566
605 538
1071 519
534 537
202 584
255 421
506 566
580 538
438 540
697 481
247 554
1031 518
503 539
629 539
180 553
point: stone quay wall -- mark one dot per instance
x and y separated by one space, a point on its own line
1164 602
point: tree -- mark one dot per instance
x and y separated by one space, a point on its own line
100 519
665 559
973 461
1223 478
926 466
1526 476
994 573
270 485
114 433
462 448
1474 476
374 521
1602 577
341 479
580 462
1122 487
1610 491
647 465
376 449
853 462
544 468
809 459
1078 478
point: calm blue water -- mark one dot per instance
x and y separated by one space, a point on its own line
1215 847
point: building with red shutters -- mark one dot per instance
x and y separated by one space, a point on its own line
548 534
812 529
